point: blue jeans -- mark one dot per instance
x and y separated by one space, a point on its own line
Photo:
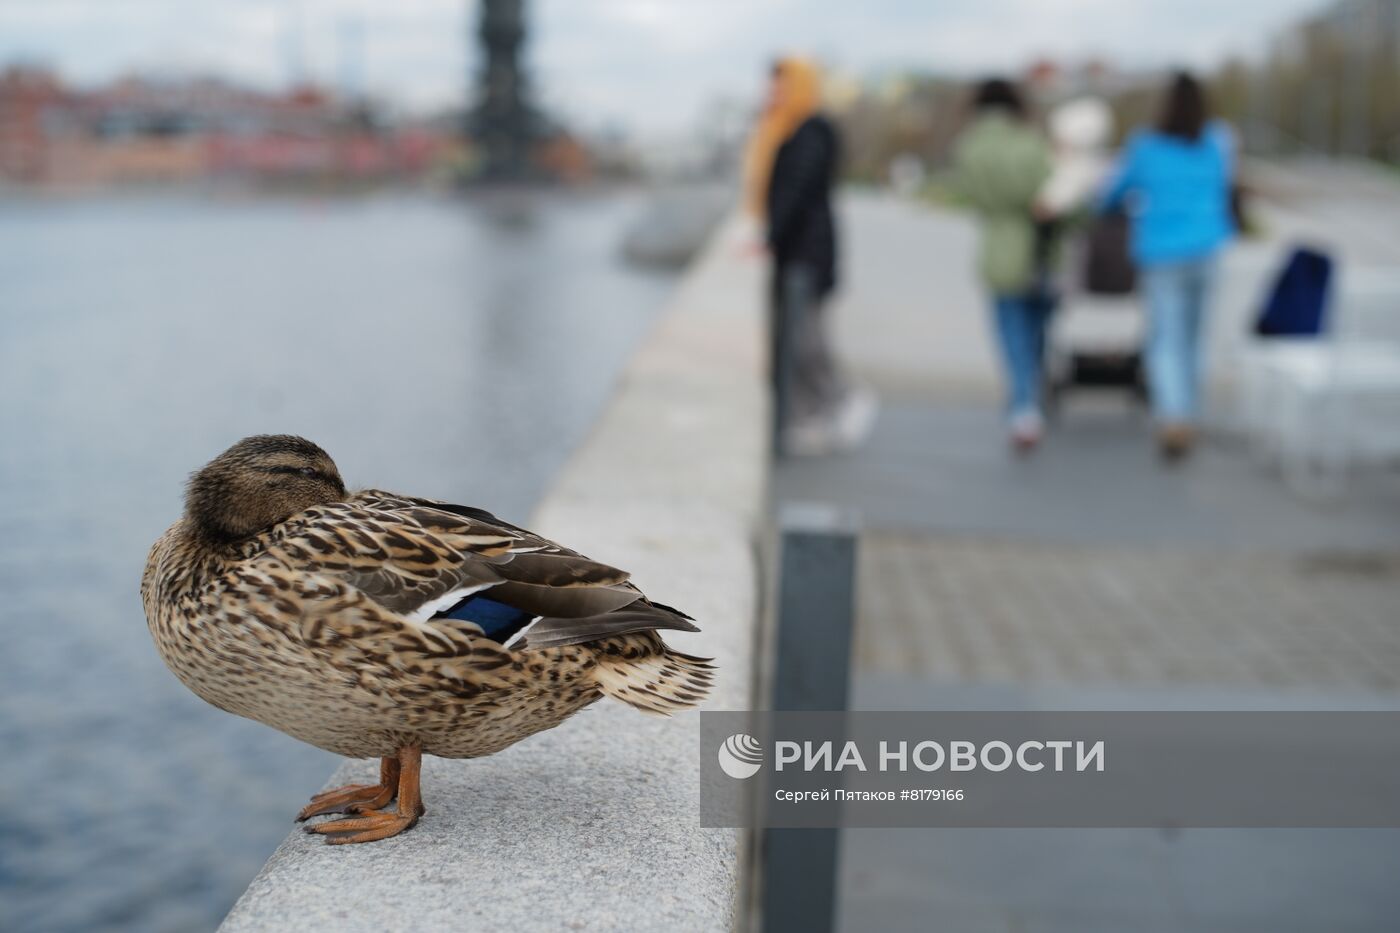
1021 322
1177 294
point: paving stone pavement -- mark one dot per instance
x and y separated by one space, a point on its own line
987 610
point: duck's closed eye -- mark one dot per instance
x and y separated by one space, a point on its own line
304 471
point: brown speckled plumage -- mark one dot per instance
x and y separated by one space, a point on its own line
280 597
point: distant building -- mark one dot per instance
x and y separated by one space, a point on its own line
1052 81
26 96
149 130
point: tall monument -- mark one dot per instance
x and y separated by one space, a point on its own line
503 124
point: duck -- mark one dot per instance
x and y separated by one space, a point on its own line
373 624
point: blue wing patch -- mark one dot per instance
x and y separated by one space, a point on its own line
497 620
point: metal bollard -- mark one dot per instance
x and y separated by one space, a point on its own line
815 607
815 611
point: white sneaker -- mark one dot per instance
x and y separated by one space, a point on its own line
856 417
1027 429
844 429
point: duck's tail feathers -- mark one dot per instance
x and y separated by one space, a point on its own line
641 671
604 627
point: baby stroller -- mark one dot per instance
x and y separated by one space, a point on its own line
1096 339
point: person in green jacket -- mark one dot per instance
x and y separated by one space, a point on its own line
1000 162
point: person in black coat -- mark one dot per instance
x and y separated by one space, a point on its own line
801 230
793 165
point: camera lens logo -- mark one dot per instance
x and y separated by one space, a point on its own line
740 756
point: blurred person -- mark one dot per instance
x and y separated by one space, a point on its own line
1079 133
1175 180
1001 163
1081 256
791 168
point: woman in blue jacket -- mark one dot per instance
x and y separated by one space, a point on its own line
1175 181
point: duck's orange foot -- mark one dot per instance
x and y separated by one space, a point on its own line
370 826
398 775
352 798
357 798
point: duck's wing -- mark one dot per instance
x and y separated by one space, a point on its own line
433 561
379 499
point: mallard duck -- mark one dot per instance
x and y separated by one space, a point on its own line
378 625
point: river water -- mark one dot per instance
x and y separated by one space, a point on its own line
452 348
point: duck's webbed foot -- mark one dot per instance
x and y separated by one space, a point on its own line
368 827
357 798
372 823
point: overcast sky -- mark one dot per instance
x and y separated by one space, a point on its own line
647 64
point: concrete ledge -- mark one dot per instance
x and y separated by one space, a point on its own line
593 825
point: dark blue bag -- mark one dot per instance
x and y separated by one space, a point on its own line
1297 304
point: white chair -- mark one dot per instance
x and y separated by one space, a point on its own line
1330 408
1320 407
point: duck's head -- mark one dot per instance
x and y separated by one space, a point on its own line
257 483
